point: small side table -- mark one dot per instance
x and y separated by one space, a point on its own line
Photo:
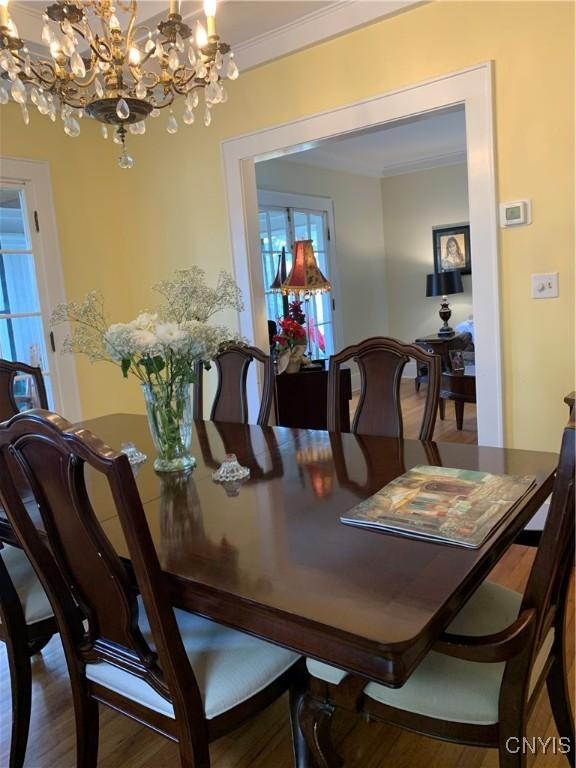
302 399
441 345
459 386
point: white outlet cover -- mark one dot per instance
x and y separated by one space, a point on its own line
545 285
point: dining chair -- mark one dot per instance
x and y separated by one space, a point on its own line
27 622
480 683
26 625
381 361
231 400
185 677
9 400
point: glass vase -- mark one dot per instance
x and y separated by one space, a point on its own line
169 412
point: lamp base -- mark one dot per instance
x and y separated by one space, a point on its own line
445 315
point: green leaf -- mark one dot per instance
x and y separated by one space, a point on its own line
126 363
152 364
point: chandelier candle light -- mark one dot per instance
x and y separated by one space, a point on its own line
118 76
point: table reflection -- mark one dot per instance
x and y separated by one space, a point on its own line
182 528
314 457
240 440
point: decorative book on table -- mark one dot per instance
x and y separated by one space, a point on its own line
456 506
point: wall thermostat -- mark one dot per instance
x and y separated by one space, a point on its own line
516 213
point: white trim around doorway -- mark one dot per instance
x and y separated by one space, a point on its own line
471 88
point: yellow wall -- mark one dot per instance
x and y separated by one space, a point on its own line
173 200
413 204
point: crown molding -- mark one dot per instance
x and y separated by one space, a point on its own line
343 164
323 24
315 27
425 164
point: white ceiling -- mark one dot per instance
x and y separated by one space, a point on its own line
258 30
426 141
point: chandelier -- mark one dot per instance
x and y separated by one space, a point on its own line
116 74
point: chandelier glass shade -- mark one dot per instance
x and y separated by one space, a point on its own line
116 73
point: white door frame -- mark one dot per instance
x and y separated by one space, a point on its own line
471 88
34 176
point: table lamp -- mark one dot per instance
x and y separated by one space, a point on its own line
276 286
444 284
305 278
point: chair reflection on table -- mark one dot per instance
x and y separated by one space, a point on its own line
374 473
237 439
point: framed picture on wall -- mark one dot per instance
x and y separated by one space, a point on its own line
452 249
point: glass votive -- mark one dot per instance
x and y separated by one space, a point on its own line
230 470
134 455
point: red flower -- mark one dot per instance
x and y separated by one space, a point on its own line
291 332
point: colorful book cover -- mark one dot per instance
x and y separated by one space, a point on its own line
457 506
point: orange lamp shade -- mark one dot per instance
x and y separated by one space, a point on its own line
305 276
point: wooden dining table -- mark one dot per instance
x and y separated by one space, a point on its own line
271 557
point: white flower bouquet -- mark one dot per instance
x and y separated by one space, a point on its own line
161 349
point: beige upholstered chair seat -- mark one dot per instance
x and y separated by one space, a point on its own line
452 689
34 601
230 666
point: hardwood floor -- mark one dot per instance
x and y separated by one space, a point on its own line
264 742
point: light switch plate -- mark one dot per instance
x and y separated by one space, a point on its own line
545 285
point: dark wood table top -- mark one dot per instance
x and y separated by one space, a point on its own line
275 559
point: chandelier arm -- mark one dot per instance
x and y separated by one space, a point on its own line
181 83
155 79
137 33
167 103
68 100
92 42
95 44
89 80
36 68
147 56
130 29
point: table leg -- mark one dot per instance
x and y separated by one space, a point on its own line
459 408
442 408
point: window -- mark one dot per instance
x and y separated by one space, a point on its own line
280 227
21 329
31 285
